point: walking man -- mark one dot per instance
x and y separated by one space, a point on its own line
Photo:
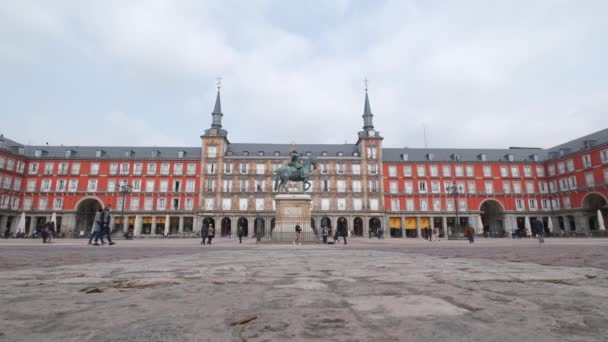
470 233
240 231
342 229
298 235
324 233
210 233
539 229
105 228
204 233
97 229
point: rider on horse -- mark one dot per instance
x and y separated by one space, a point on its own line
296 162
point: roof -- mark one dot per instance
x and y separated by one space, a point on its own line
588 141
284 150
114 152
463 155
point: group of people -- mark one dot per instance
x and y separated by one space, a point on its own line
378 232
208 233
341 231
101 228
47 232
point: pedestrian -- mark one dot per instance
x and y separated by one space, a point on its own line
470 233
380 233
204 233
51 231
210 233
538 229
240 231
105 227
298 235
324 232
342 229
44 233
97 229
435 234
130 233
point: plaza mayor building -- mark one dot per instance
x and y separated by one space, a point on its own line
156 191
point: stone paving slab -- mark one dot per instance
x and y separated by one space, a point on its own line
358 292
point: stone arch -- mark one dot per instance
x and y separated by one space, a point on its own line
594 205
325 220
342 223
259 226
208 220
245 224
594 201
226 228
493 217
85 214
358 226
374 224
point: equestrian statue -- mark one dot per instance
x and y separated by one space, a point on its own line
296 171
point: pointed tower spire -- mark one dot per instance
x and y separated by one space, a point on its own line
367 112
217 111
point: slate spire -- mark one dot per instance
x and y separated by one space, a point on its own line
367 113
217 111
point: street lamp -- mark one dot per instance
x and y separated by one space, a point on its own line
124 189
455 191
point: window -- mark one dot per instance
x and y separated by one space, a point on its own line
472 187
94 169
409 187
178 169
161 204
373 204
15 203
211 151
148 202
341 185
540 171
527 171
589 179
393 189
325 204
553 186
356 186
436 204
530 187
340 168
504 171
190 185
227 185
392 171
519 204
111 186
164 169
395 204
38 153
189 205
514 171
124 168
137 168
98 153
542 187
92 185
73 185
62 169
243 185
151 169
243 204
76 168
424 204
487 171
356 169
260 169
470 171
325 185
17 184
586 161
407 171
462 204
567 204
180 155
259 204
33 169
489 186
191 169
164 186
447 171
60 185
10 164
119 202
435 187
517 187
45 186
373 186
226 204
27 203
561 168
244 168
177 186
555 203
409 204
606 176
371 152
604 156
420 171
7 182
449 204
572 182
341 203
422 187
458 171
48 168
136 185
260 185
506 187
2 162
545 204
551 169
42 203
20 166
563 184
373 169
211 168
570 165
434 171
134 204
227 168
532 204
150 185
113 168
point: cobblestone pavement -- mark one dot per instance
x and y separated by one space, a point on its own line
390 290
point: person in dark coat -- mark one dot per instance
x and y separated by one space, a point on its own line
539 229
240 232
470 233
210 233
342 229
105 227
97 229
324 233
204 233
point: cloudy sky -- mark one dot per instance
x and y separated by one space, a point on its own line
474 73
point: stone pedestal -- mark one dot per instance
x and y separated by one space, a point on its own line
292 209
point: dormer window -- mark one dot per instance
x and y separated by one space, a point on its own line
324 153
510 157
430 156
180 154
534 157
483 157
155 154
229 153
68 153
260 153
98 153
404 156
308 153
277 153
355 154
563 151
246 153
2 143
455 157
340 154
21 150
127 154
38 153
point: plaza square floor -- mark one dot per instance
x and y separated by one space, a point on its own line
382 290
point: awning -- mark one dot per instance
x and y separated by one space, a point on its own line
395 222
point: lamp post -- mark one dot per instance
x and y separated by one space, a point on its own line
455 191
124 189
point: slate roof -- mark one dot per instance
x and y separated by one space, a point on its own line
460 154
588 141
316 150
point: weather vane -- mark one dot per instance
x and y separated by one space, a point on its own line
365 81
219 83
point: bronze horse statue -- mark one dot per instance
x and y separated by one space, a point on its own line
288 173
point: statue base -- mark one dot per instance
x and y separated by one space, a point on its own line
293 209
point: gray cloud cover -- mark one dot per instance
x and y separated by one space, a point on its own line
474 73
